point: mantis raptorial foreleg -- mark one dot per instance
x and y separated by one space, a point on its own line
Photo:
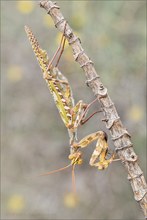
100 153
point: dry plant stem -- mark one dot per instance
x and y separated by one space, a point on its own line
120 136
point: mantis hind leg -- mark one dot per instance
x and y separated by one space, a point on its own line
59 49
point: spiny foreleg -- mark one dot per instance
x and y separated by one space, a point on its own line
101 150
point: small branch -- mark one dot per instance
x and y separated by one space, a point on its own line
119 134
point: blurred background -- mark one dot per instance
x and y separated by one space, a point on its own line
35 140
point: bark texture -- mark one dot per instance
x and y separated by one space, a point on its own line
119 134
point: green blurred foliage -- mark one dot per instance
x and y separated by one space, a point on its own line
34 139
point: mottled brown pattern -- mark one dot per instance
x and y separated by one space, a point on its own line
51 81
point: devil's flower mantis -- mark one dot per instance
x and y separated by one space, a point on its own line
71 114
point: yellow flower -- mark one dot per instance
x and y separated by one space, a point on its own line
47 21
14 73
71 200
25 7
135 113
16 204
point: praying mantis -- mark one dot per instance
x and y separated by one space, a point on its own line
72 115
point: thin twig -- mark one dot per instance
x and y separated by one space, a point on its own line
119 134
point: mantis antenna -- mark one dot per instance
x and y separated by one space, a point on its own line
56 171
62 169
